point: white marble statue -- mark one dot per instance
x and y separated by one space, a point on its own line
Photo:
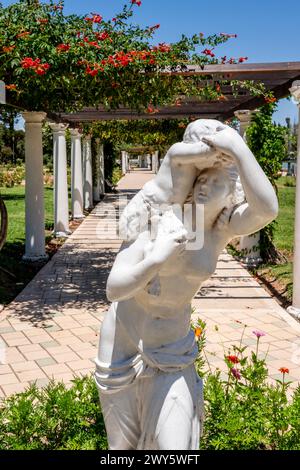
150 393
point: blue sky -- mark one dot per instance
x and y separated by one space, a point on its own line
268 31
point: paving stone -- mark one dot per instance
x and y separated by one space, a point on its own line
53 325
47 361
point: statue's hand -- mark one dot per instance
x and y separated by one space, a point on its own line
227 141
167 246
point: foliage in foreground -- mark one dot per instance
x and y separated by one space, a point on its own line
53 418
242 409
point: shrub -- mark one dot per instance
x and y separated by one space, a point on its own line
243 410
53 418
11 175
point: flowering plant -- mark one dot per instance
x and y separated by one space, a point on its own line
55 62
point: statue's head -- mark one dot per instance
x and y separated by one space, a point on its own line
217 185
200 128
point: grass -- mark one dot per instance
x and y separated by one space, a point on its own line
280 277
18 274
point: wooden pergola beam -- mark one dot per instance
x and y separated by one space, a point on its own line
277 77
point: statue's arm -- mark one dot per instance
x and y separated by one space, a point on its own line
189 153
131 272
262 205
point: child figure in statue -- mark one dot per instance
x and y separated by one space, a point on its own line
150 393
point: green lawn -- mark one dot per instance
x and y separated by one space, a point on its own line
281 276
18 274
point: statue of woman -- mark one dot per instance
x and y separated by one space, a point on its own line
150 393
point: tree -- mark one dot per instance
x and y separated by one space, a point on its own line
55 62
268 143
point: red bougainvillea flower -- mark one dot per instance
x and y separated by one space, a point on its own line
208 52
28 62
156 26
151 109
243 59
94 19
198 332
162 47
11 87
57 7
42 69
235 373
226 35
8 48
91 72
284 370
23 34
270 99
102 36
63 47
136 2
258 333
35 64
233 359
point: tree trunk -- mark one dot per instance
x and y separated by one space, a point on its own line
3 223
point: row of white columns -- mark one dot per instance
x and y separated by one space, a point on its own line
150 157
83 192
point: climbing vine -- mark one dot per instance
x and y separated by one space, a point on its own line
55 62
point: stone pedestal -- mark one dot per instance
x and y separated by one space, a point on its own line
61 202
87 173
76 175
34 190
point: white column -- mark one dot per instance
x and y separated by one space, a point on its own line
96 172
127 161
61 201
76 175
248 244
155 162
124 162
34 189
87 173
101 169
295 308
98 189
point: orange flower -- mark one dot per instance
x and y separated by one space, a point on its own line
23 34
151 109
42 20
284 370
8 48
270 99
11 87
198 332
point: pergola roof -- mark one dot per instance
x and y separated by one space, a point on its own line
277 77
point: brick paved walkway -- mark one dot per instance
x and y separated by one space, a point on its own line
51 328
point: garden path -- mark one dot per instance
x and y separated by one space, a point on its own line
51 329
